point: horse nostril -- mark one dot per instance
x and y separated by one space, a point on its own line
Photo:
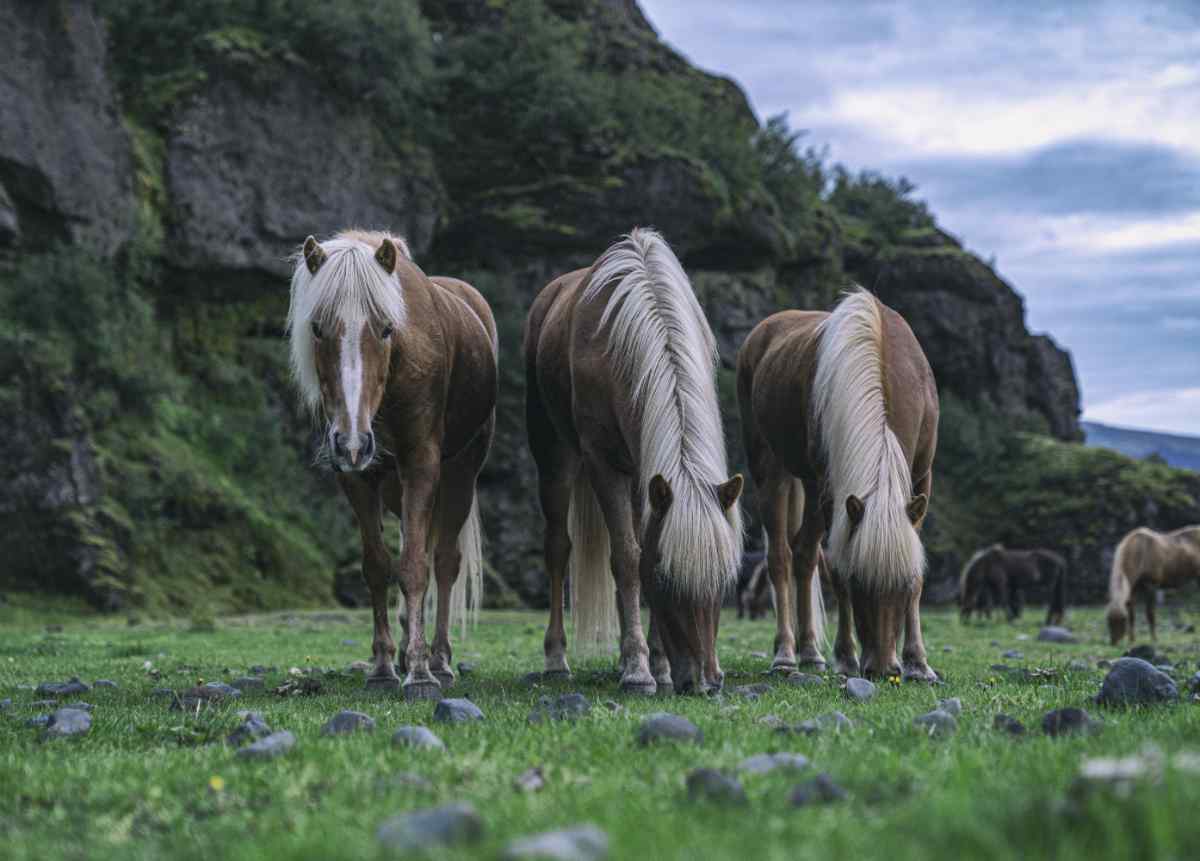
368 444
339 441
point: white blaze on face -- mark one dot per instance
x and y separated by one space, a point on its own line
352 382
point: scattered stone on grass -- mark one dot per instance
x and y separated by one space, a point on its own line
80 705
449 825
196 698
936 723
296 687
456 711
947 649
104 683
63 689
804 679
1056 634
67 722
859 690
247 683
38 721
1133 681
832 722
764 763
1013 655
951 706
530 780
346 722
708 784
465 668
252 727
579 843
1008 724
822 789
751 692
417 736
269 747
566 707
1069 721
1000 668
661 726
5 704
350 643
260 670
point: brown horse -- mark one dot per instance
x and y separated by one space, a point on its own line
999 576
403 367
839 415
621 406
1144 562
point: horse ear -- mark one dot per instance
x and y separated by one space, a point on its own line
314 255
661 495
386 256
917 508
855 509
728 493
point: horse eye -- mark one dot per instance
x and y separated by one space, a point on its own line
316 330
386 333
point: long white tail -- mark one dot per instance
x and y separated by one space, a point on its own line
863 455
466 595
593 590
966 570
1118 579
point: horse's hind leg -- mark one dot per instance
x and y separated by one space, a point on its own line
1151 597
364 496
774 492
660 665
845 661
554 491
805 546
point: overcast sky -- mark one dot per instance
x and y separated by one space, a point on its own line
1063 141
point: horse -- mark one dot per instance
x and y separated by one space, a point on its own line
839 420
996 575
1144 562
403 368
753 586
625 427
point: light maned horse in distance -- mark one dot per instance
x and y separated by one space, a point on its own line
998 576
839 417
1146 561
403 368
624 423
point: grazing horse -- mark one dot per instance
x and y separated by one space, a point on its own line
995 575
839 417
1144 562
403 368
623 420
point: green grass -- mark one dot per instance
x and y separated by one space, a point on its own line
138 786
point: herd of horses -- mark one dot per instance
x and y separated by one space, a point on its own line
839 413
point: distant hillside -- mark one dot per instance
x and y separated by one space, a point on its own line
1175 449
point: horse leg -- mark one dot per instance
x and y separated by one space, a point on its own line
1131 612
845 659
554 490
660 666
916 662
805 547
614 493
364 497
419 496
1151 596
774 501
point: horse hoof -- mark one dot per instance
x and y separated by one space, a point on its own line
816 665
425 690
639 686
383 683
920 674
847 667
445 677
783 668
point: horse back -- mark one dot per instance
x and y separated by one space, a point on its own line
547 348
910 392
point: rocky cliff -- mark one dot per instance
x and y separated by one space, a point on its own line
152 188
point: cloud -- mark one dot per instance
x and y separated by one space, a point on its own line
1170 410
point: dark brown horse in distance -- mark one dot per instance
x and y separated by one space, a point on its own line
1146 561
624 423
403 368
840 415
998 576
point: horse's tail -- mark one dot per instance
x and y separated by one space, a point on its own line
593 590
1119 587
466 595
967 570
1058 589
863 456
969 585
818 601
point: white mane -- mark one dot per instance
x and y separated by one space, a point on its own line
662 346
862 455
351 287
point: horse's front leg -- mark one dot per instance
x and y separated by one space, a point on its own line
420 493
806 545
916 662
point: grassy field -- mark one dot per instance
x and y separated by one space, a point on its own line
148 782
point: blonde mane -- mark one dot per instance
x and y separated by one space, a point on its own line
661 345
862 454
350 287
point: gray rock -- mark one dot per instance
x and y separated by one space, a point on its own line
1145 651
1103 664
1078 665
104 683
350 643
80 706
247 683
260 670
1056 634
5 704
1068 721
708 784
63 689
822 789
38 721
1010 725
951 706
835 722
456 711
269 747
530 780
346 722
751 692
417 736
936 723
44 704
859 690
580 843
1132 681
661 726
764 763
566 707
804 679
68 722
449 825
252 727
1013 655
947 649
222 689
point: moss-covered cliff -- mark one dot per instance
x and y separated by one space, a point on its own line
153 453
